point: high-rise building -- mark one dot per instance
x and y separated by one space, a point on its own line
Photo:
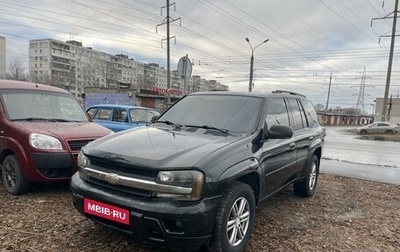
3 61
74 67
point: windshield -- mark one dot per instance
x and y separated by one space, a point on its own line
236 114
33 105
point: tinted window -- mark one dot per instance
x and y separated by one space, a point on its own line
383 124
312 116
297 114
277 113
237 114
302 114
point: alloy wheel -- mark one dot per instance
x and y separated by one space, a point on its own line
238 222
10 175
313 176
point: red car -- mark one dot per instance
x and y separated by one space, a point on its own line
42 129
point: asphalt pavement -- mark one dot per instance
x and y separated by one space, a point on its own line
390 175
346 155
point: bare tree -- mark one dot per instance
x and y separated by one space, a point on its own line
319 106
95 71
352 111
16 70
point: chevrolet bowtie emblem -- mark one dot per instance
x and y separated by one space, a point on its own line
112 178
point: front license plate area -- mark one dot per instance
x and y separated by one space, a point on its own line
106 211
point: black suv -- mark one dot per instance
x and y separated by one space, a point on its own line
195 176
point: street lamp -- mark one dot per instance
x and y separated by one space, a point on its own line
252 61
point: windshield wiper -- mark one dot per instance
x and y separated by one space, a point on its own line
42 119
171 123
225 131
62 120
32 119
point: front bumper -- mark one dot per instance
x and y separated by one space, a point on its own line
165 221
54 165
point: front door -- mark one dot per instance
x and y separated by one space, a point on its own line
278 155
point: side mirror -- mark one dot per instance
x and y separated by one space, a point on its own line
90 115
154 119
278 131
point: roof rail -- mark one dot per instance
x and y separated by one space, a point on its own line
288 92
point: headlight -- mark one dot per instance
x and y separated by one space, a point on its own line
187 179
41 141
82 161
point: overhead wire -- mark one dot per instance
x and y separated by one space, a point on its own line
238 59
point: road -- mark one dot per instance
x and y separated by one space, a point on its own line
344 146
346 155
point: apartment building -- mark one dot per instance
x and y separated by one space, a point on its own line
74 67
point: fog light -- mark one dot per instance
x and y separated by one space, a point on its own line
180 224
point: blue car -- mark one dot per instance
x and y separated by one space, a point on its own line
121 117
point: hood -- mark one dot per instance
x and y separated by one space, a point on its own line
64 130
159 147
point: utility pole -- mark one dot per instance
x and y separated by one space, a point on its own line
329 91
390 107
389 71
167 21
251 71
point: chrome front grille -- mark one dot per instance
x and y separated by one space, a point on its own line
103 168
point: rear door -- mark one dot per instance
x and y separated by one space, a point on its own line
302 132
382 127
303 124
113 118
119 120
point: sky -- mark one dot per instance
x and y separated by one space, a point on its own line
311 43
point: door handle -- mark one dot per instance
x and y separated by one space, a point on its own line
311 138
292 145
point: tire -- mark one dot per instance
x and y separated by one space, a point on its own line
389 131
229 222
12 177
364 132
307 187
